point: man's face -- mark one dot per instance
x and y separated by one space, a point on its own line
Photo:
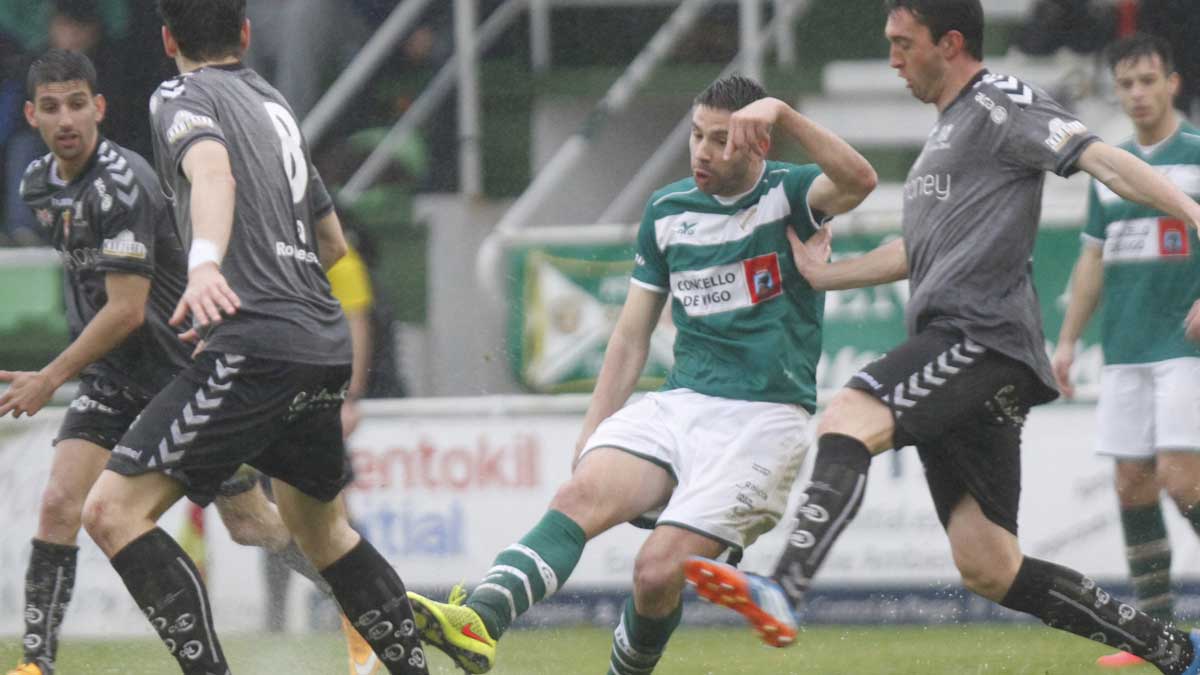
915 56
715 175
1145 89
67 115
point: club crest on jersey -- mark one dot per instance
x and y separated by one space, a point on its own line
724 288
45 217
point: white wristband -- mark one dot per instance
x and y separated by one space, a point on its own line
203 251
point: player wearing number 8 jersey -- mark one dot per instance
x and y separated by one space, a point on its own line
267 388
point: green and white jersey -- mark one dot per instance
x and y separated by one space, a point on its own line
749 326
1151 261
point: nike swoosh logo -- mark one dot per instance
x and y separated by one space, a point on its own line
466 630
365 668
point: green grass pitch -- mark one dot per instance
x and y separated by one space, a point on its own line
894 650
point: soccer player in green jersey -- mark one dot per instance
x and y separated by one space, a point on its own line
1145 266
708 461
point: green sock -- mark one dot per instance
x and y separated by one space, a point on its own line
638 641
528 571
1149 554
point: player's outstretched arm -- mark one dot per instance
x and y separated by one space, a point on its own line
213 196
885 263
1137 181
624 358
846 176
122 313
1087 281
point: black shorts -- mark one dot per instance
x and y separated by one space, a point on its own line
225 410
101 412
963 406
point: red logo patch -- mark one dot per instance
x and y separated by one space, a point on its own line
1173 237
762 277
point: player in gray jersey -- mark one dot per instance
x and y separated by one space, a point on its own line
959 388
124 272
267 388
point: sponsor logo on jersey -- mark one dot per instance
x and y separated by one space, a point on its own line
997 113
1061 132
284 250
185 122
639 260
929 185
124 245
1146 240
728 287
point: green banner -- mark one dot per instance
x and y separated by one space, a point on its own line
565 301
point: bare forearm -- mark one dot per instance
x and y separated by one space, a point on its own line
1136 181
840 162
1087 281
884 264
103 333
623 364
213 198
360 337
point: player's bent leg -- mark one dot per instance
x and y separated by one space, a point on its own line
1061 598
856 427
366 587
120 515
653 613
252 520
50 576
1179 476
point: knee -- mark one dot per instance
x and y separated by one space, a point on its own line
989 578
1183 490
245 532
576 498
102 519
60 512
657 581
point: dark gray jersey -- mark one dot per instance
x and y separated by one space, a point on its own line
972 204
287 311
112 218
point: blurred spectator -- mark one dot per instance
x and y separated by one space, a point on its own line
299 46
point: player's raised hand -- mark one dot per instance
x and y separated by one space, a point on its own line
812 255
1192 323
28 392
1064 356
750 127
206 298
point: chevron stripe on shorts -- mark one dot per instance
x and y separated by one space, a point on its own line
934 375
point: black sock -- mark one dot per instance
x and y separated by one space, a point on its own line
165 583
1065 599
830 502
376 603
49 581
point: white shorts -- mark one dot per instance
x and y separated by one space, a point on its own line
1146 408
734 462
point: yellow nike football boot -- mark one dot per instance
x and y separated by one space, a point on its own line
27 669
455 629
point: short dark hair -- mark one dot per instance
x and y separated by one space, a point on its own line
205 29
732 92
943 16
1137 46
59 65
